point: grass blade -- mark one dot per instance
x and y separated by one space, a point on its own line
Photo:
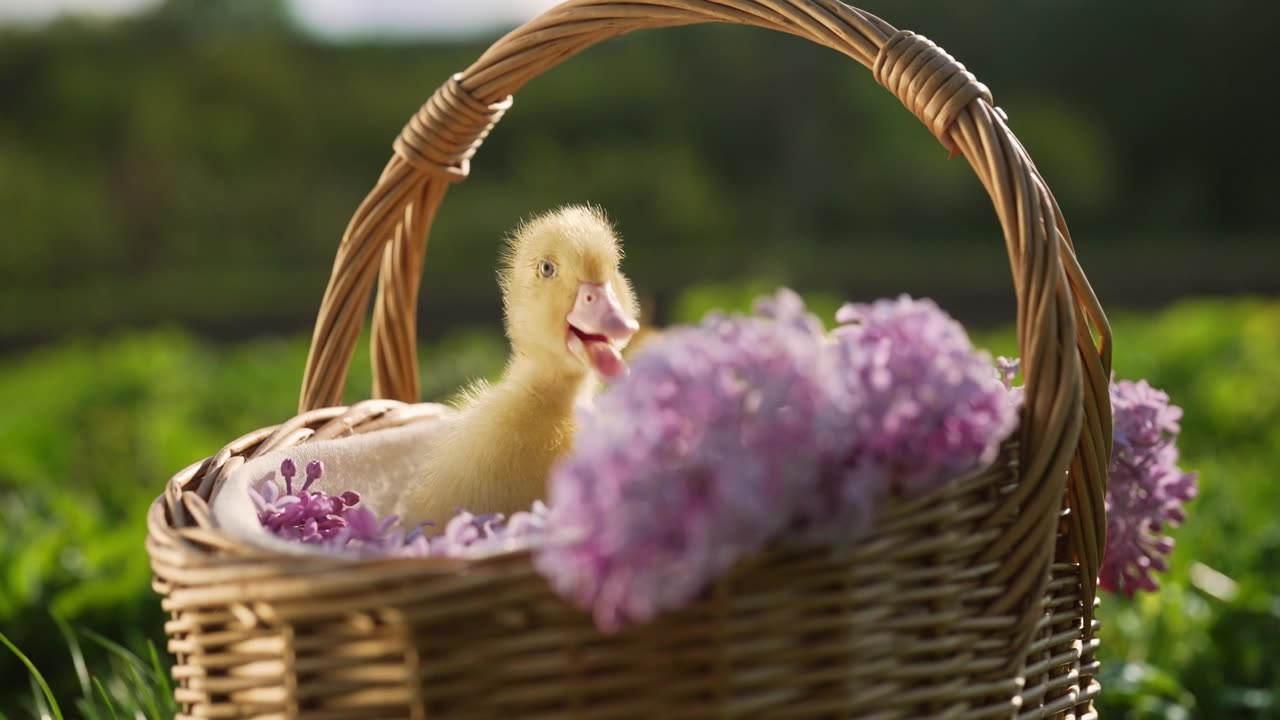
116 649
162 675
35 674
147 692
106 699
88 709
77 655
39 705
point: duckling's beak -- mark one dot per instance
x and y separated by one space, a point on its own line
599 328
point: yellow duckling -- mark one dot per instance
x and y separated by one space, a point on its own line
569 314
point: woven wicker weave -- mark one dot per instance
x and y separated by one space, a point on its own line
975 602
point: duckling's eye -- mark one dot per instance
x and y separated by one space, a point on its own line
547 269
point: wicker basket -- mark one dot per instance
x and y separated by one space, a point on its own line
976 602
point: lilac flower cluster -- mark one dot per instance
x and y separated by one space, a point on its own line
922 406
1007 370
317 518
1145 491
468 534
787 307
340 522
730 432
686 466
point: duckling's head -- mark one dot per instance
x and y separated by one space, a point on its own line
568 306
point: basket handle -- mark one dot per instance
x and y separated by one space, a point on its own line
1063 334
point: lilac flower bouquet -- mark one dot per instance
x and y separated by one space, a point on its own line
690 464
741 429
338 522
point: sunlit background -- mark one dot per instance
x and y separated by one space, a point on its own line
175 176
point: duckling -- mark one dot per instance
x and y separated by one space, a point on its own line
569 312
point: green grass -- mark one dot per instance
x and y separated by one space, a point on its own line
89 434
46 694
132 688
90 431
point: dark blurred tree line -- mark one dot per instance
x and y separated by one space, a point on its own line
197 165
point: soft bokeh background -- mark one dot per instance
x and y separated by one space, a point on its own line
174 177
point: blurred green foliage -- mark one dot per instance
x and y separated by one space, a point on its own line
91 430
1212 634
197 165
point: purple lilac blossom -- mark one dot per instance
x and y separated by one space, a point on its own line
1007 370
686 466
469 534
317 518
788 308
339 522
923 406
1146 489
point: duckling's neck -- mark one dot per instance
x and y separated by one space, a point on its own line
527 414
516 430
502 444
533 389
